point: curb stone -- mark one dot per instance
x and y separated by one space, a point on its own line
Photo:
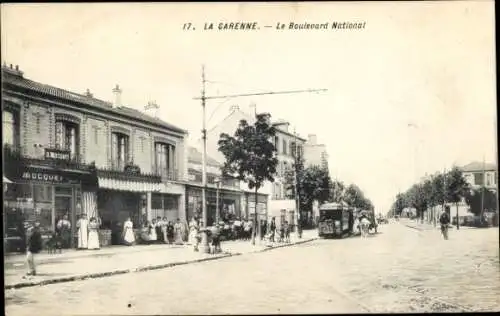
139 269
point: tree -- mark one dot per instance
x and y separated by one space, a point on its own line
456 188
356 198
337 191
481 199
250 156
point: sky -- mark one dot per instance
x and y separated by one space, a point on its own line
411 93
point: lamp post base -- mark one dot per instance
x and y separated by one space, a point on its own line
204 243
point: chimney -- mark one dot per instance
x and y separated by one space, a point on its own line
118 96
312 139
12 70
88 94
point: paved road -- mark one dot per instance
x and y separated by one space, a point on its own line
398 270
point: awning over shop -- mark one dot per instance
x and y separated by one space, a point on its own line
6 180
132 186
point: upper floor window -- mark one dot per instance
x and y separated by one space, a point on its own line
293 149
119 150
164 159
276 143
67 137
478 178
10 128
284 147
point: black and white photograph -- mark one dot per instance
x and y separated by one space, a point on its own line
193 158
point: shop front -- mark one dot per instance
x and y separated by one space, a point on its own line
47 196
228 202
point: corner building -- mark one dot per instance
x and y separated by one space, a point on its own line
72 154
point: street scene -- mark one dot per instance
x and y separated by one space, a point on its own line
201 159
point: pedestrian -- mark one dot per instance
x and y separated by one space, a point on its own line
164 229
215 234
159 234
34 245
178 232
444 220
193 233
272 228
83 226
153 238
286 229
170 232
93 237
64 230
128 233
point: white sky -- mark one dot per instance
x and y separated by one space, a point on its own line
425 63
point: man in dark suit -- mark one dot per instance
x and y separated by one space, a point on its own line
34 245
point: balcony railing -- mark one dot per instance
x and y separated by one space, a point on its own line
13 155
169 174
128 176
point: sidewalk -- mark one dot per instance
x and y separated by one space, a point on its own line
425 225
74 265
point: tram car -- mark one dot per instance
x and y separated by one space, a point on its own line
335 220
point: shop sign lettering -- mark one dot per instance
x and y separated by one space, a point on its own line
42 177
57 154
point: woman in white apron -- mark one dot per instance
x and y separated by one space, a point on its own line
193 233
93 242
128 233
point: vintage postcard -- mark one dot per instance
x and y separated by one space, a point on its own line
249 158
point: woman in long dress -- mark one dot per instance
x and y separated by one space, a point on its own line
193 233
83 226
128 233
164 225
178 232
93 242
152 232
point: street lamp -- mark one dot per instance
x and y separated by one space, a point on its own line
217 216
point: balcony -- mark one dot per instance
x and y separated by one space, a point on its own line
168 174
62 160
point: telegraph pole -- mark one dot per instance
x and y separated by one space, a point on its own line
297 197
204 237
203 99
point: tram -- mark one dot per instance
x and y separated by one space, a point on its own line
335 220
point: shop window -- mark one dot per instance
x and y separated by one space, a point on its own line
62 190
67 137
10 128
119 150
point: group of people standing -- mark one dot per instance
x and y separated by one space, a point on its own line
161 230
88 232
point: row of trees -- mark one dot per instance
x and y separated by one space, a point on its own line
250 156
449 187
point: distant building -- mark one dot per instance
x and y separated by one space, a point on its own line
315 154
478 174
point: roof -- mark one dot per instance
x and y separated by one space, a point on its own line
51 91
478 166
195 156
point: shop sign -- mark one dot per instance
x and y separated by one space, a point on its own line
57 154
42 176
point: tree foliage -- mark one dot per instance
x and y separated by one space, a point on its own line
481 197
356 198
250 154
313 183
438 190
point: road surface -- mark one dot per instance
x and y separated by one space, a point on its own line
398 270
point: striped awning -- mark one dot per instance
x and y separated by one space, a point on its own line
131 186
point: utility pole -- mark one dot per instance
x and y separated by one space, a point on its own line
297 197
482 191
203 99
204 235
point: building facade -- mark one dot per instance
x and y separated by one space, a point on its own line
79 155
478 175
315 154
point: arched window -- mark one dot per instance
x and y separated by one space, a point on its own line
10 128
119 150
67 137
